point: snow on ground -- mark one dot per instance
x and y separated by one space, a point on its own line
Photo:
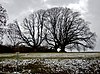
55 65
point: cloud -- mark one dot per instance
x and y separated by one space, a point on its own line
44 0
21 15
49 6
6 1
25 13
81 6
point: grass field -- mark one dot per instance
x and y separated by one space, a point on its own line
69 55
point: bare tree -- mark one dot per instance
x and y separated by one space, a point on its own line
66 29
58 27
31 30
3 20
12 34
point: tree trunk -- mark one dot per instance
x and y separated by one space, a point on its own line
62 49
35 48
55 47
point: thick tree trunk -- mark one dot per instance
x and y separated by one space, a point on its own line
55 47
35 48
62 49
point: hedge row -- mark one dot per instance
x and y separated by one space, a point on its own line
23 49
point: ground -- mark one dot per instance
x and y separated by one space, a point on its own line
50 63
68 55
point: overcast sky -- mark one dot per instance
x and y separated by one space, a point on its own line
90 10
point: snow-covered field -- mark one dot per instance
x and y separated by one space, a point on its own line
50 63
50 66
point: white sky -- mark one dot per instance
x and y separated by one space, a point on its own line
18 9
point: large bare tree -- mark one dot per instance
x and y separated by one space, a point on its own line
57 27
66 29
31 30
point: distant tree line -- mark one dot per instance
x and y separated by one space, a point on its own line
46 31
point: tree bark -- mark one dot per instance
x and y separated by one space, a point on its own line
56 47
62 49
